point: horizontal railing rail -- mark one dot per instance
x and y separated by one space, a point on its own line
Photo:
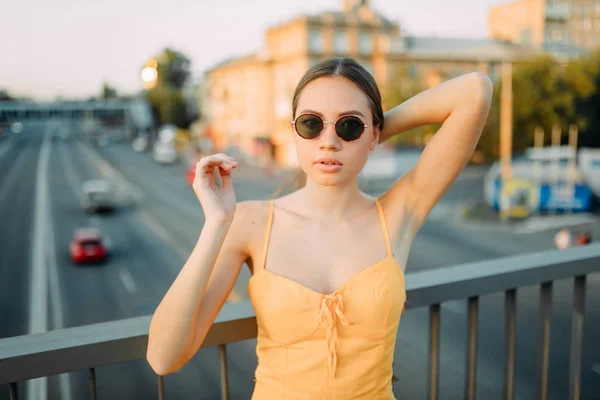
88 347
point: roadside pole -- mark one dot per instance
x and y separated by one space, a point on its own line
505 136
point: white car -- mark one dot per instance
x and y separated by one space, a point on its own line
97 195
164 152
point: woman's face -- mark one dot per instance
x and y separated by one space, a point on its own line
328 159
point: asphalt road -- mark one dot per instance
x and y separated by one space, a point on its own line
156 226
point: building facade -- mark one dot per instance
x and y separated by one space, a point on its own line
248 99
565 28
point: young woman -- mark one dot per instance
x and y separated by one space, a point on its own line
327 260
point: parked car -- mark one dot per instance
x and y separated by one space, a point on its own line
87 246
163 150
97 196
190 174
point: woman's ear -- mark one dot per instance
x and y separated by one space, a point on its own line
376 135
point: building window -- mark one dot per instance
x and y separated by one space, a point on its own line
385 43
315 41
556 36
365 43
340 44
526 36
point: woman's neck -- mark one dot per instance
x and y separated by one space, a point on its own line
332 202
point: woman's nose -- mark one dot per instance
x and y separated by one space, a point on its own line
329 138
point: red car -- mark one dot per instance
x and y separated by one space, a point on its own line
87 246
190 174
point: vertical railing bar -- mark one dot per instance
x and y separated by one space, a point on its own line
577 337
544 340
510 325
471 354
224 376
161 387
434 351
93 383
14 391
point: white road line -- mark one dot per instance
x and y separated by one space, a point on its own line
128 281
12 174
56 299
38 292
44 275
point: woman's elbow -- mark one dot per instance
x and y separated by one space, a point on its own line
159 365
481 86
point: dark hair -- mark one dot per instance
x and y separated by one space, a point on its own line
345 68
351 70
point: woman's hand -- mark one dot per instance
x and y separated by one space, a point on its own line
218 201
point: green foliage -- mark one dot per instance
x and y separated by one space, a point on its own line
402 86
166 99
545 93
109 92
5 96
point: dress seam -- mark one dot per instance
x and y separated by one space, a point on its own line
381 348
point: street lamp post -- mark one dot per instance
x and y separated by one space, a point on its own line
505 135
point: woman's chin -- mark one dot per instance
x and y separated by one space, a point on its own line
330 179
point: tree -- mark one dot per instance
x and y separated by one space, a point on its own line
168 103
545 93
402 85
588 108
109 92
5 96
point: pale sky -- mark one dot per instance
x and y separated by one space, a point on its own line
68 47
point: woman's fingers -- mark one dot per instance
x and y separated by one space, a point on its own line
208 163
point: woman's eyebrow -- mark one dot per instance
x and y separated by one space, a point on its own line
351 112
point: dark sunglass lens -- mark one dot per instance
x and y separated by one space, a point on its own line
309 126
349 128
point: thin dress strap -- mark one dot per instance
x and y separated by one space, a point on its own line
386 236
267 233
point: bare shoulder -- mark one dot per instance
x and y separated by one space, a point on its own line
249 224
249 214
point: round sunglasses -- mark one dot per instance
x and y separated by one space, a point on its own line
349 127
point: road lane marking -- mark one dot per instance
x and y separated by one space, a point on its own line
56 299
128 281
44 275
37 389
